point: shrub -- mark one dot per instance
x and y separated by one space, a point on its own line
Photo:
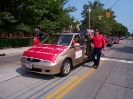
15 42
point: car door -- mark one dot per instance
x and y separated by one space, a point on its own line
88 46
78 49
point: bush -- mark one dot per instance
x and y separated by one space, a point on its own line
15 42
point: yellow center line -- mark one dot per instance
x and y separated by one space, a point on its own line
61 88
77 82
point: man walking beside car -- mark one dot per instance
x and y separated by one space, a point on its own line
99 45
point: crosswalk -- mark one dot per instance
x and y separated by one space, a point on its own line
117 60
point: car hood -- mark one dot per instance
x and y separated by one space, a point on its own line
46 52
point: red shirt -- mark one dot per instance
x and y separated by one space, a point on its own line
36 41
98 41
74 42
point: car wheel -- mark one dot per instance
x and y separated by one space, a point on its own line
65 68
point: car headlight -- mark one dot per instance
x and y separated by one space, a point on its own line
58 58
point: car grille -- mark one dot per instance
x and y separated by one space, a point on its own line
33 60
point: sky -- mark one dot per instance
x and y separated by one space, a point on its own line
123 10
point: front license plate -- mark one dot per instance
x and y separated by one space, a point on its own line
28 65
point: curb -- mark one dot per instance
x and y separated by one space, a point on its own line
2 54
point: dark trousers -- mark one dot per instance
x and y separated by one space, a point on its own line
96 54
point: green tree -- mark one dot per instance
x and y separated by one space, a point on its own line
26 15
99 20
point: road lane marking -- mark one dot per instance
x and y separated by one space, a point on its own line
118 60
62 87
76 83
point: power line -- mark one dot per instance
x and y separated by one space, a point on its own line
114 4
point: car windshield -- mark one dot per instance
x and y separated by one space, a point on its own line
58 39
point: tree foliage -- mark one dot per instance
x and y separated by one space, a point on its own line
26 15
107 25
51 16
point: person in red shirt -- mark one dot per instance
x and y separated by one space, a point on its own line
36 41
99 45
74 42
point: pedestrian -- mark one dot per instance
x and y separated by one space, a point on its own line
36 41
38 34
99 45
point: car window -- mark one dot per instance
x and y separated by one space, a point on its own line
58 39
77 38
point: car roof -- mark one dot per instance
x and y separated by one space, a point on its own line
73 34
66 34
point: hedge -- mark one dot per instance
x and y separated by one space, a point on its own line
15 42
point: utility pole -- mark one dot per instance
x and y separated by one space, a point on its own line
89 10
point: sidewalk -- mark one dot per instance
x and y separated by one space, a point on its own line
12 51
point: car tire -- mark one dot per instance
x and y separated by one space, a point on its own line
65 68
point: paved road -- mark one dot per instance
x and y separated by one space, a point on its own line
112 80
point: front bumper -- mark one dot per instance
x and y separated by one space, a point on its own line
41 67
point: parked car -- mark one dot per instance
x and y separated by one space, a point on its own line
110 41
57 54
116 40
121 37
